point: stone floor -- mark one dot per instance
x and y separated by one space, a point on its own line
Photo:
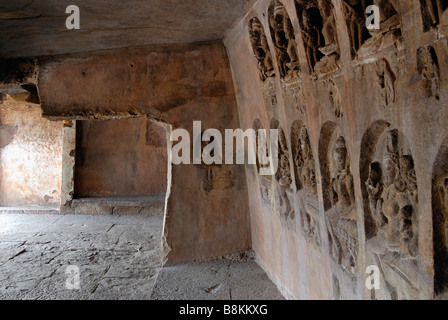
215 280
118 257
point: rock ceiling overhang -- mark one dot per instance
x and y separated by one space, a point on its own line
37 27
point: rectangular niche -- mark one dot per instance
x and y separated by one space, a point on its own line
120 159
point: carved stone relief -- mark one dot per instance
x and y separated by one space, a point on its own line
440 219
365 42
265 181
287 59
261 49
216 177
433 13
428 68
389 12
284 40
309 219
391 200
304 160
318 28
339 200
306 184
355 16
341 218
257 125
294 96
207 182
283 175
283 178
335 99
265 63
386 82
269 88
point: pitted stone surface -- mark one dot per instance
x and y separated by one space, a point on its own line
225 279
38 27
118 257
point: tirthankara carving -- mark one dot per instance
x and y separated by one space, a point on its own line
216 176
265 181
342 226
355 15
371 40
306 184
265 63
433 13
283 39
283 174
391 188
207 182
283 177
261 49
257 125
335 100
390 20
441 237
440 219
386 81
428 68
304 161
287 59
319 35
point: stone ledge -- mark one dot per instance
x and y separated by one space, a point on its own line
30 210
142 206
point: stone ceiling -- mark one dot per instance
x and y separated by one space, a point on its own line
37 27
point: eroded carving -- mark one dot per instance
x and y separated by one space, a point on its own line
270 92
306 184
391 189
287 59
440 222
355 17
386 82
342 222
284 40
260 149
304 162
365 42
309 219
215 176
342 182
428 68
261 49
266 194
433 13
318 27
257 125
207 182
294 95
389 13
335 99
283 175
265 63
284 179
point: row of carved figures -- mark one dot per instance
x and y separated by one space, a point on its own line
319 33
389 198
